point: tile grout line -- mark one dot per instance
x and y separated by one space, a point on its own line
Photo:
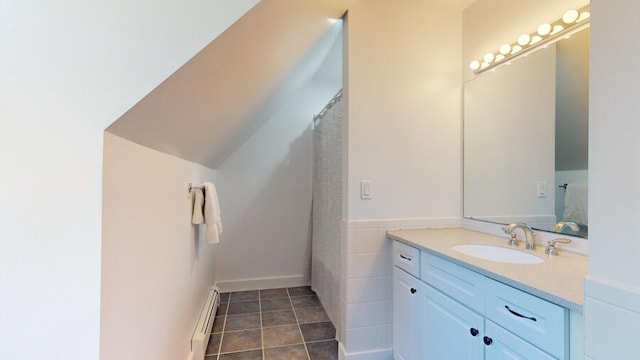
295 315
224 324
262 347
261 327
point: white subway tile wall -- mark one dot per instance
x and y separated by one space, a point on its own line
365 324
344 246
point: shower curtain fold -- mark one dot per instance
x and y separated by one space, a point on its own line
327 209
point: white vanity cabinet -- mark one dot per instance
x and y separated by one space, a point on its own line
445 311
506 345
449 329
406 308
407 289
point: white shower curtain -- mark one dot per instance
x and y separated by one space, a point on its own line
327 209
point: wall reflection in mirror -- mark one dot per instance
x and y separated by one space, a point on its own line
526 140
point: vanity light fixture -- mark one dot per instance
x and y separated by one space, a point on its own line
489 57
524 39
544 29
570 16
572 21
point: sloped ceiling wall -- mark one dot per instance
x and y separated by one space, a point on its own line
211 105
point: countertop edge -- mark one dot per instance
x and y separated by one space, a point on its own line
569 304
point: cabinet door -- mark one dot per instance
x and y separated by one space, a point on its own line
405 315
449 329
506 346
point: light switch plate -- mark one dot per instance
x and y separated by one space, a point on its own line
365 189
542 189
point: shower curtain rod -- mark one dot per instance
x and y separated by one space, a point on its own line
324 110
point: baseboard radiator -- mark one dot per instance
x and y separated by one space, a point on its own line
202 332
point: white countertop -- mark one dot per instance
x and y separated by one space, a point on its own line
560 279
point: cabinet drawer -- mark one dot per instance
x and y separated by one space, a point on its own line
505 345
537 321
406 258
454 280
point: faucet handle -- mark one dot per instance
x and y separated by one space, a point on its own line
514 241
551 247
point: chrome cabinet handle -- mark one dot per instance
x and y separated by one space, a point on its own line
519 315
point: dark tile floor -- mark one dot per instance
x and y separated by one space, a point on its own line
272 324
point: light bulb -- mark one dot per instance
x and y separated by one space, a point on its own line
584 16
499 57
544 29
489 57
475 65
484 65
524 39
505 49
570 16
557 29
515 49
535 39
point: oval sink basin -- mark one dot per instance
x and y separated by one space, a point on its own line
498 253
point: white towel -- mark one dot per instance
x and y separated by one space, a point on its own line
197 216
575 203
212 213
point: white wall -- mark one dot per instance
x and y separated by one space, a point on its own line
509 142
404 109
265 194
404 135
70 68
156 266
613 287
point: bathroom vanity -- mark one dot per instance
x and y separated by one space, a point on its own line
450 305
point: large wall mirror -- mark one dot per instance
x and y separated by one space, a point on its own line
526 140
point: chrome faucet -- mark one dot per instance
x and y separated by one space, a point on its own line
562 225
528 233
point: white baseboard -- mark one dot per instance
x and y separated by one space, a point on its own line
261 283
381 354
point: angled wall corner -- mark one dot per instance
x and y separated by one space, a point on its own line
210 106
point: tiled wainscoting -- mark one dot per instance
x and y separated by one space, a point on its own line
612 315
365 311
287 323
